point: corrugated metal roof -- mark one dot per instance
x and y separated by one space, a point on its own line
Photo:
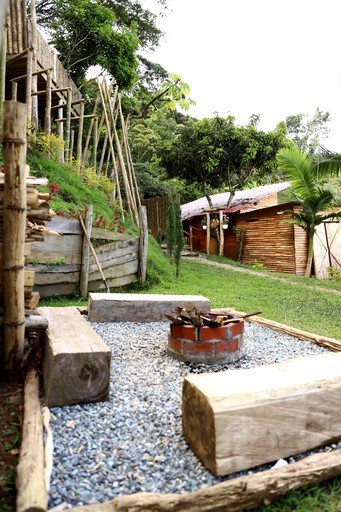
243 197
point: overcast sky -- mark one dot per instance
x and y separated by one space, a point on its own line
269 57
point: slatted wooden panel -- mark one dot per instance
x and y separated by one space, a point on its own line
156 214
57 260
269 239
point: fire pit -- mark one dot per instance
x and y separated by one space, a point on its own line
204 337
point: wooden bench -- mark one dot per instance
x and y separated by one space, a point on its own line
132 307
239 419
76 362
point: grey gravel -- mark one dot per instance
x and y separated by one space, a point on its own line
134 441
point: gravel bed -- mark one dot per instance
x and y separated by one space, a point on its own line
134 442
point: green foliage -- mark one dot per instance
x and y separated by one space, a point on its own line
50 146
306 132
334 273
217 153
84 34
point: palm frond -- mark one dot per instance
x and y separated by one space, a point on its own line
326 163
297 167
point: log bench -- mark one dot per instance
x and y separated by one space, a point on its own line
76 362
133 307
239 419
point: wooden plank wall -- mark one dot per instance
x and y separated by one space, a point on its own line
57 260
269 239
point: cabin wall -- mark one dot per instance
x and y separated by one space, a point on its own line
270 240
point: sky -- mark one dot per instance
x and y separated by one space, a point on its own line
270 57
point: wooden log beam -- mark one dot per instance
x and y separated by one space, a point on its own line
238 419
76 362
31 486
235 495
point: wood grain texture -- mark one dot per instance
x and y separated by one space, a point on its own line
31 489
262 414
125 307
76 362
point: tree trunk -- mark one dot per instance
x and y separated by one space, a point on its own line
310 253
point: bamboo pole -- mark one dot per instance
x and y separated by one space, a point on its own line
84 275
72 143
3 45
128 162
60 128
31 485
111 146
68 125
13 27
34 87
48 101
24 22
143 244
88 137
132 213
80 136
29 64
94 149
20 27
103 153
14 227
9 32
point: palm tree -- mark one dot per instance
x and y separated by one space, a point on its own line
305 172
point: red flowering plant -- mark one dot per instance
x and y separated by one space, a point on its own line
54 189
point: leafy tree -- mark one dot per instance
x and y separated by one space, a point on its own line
314 196
306 132
217 153
85 34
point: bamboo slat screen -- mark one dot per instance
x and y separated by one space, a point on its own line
156 214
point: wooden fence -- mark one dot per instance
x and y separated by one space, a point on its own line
157 214
58 260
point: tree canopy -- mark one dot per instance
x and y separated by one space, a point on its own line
307 132
217 153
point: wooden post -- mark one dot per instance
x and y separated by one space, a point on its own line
14 226
143 244
80 136
103 153
191 238
14 91
48 102
72 143
221 234
31 485
84 277
208 233
68 126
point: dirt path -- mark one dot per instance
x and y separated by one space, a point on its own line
206 261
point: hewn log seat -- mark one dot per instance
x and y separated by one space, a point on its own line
238 419
76 362
133 307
